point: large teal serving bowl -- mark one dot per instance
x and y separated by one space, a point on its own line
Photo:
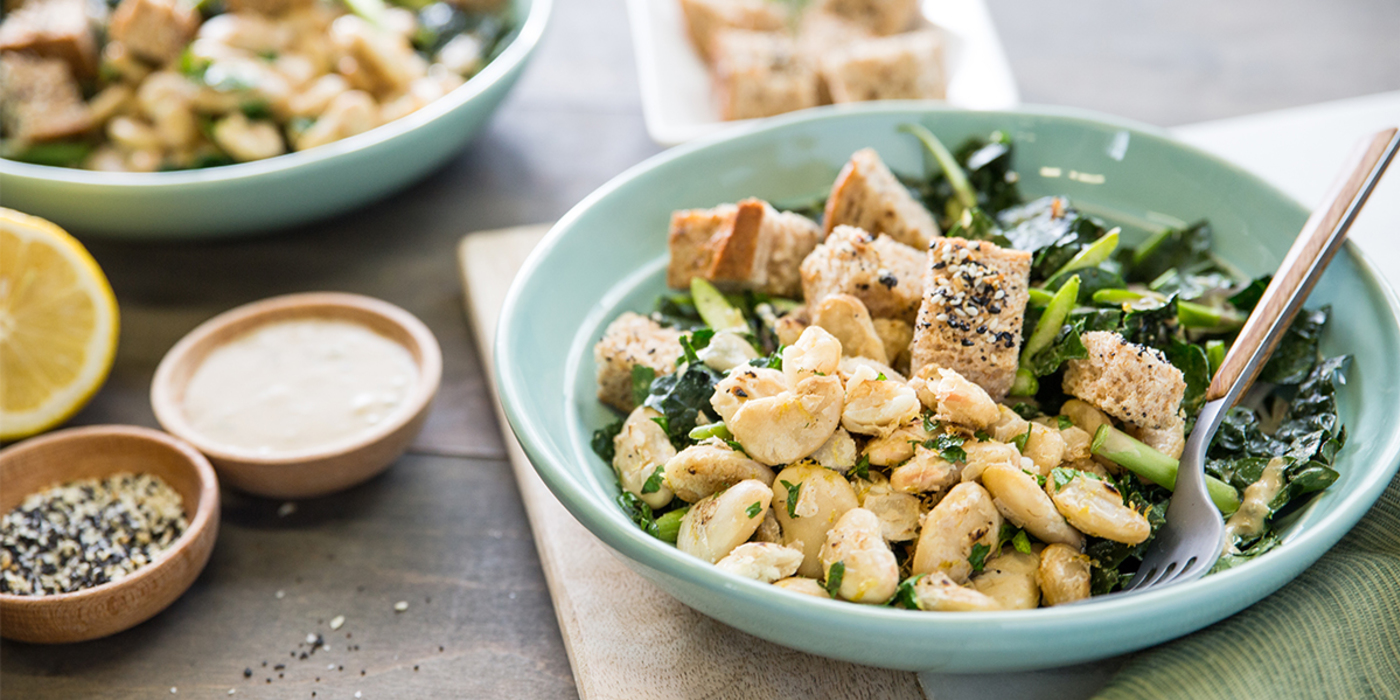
608 255
277 192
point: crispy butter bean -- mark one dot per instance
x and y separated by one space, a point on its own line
1095 508
639 448
803 585
1010 580
761 561
1020 500
700 470
965 517
816 353
925 472
1063 575
936 592
875 406
898 445
846 318
1045 447
870 573
823 496
1009 425
717 524
785 428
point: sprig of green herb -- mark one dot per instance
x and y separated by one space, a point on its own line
754 509
978 557
834 575
792 491
655 481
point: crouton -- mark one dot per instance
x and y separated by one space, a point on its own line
845 317
1131 382
53 29
819 32
39 100
879 16
970 320
632 340
750 245
706 18
886 275
156 30
758 74
903 67
1169 440
868 196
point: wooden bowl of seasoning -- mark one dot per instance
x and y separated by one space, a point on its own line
104 527
300 395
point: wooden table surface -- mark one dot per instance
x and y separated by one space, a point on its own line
444 529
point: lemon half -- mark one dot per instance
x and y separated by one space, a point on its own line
58 325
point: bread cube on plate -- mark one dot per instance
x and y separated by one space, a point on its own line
706 18
884 274
1131 382
631 340
879 16
974 298
901 67
759 74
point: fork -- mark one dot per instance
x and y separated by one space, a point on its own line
1192 539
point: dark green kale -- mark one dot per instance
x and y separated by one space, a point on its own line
1067 345
603 440
1051 230
682 397
1296 352
1183 249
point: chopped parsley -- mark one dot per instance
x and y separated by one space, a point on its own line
1065 422
792 491
641 383
1020 440
664 422
834 576
734 445
862 468
978 557
948 446
1021 542
881 377
754 509
1026 410
982 436
905 594
654 482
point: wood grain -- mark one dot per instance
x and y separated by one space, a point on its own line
1297 274
98 452
627 638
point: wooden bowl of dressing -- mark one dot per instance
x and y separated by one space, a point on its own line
100 451
300 395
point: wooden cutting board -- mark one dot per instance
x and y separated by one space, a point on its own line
625 637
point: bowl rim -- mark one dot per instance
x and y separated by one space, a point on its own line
653 554
521 47
169 410
205 512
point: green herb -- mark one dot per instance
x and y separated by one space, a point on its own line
1062 476
948 446
664 422
1020 440
681 398
1026 411
982 436
833 578
792 490
642 377
880 378
754 509
1039 478
192 66
639 512
655 481
771 361
978 557
62 154
862 468
603 440
1021 542
930 425
734 445
1064 422
905 595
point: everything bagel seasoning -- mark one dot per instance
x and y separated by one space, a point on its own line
86 533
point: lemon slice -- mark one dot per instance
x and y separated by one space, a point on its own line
58 325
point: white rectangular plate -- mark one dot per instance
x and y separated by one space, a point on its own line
679 104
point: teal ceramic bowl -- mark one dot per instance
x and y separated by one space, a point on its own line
278 192
608 255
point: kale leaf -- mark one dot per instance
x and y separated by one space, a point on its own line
681 397
1296 352
1183 249
1067 345
603 440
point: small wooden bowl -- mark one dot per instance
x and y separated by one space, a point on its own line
99 451
317 471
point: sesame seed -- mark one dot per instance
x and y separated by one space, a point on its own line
401 606
337 621
286 509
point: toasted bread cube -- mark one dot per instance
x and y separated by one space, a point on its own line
692 254
886 275
1131 382
39 100
156 30
705 19
902 67
749 245
630 340
758 74
820 32
53 29
975 295
868 196
879 16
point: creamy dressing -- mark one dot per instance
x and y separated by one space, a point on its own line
1249 520
299 384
